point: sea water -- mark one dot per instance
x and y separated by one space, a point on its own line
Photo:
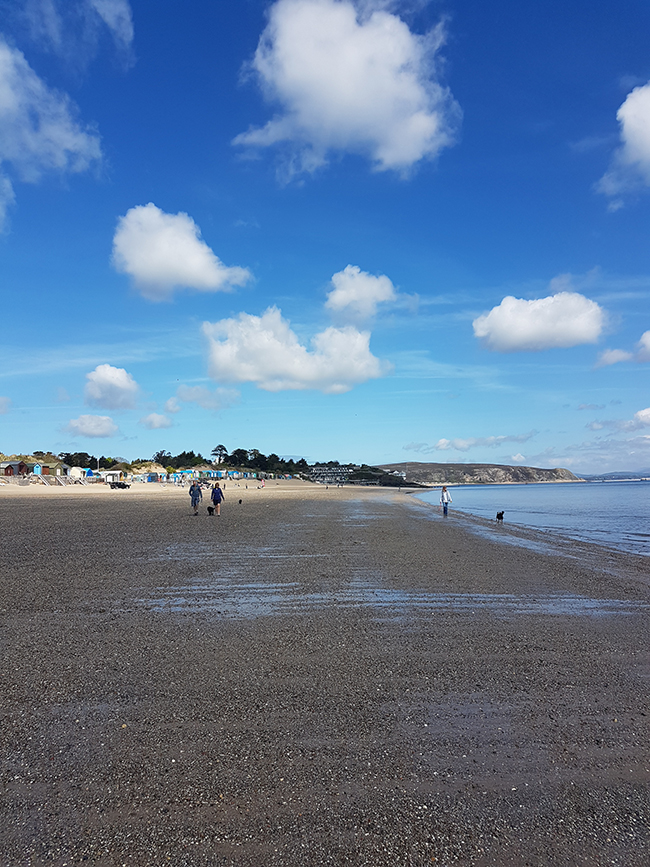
615 514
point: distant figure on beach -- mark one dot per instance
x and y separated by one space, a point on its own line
445 500
195 496
217 497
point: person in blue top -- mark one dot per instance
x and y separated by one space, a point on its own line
195 496
217 497
445 500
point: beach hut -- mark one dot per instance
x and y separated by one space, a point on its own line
80 472
112 475
13 468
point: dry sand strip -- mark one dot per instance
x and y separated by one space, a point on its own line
316 677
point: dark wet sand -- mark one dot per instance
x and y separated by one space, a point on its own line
324 678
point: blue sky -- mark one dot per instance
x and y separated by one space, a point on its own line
371 231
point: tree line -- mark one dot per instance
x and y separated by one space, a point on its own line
83 459
238 458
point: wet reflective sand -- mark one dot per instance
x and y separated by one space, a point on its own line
224 596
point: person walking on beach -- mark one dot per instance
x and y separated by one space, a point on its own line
195 496
445 500
217 497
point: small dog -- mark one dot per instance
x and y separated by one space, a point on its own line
499 517
210 511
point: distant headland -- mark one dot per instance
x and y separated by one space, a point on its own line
476 474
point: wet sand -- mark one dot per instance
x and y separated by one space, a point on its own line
316 677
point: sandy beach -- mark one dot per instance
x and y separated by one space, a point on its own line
318 676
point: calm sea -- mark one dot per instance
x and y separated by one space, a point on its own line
616 514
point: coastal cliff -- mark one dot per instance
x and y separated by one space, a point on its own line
477 474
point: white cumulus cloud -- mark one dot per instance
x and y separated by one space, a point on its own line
163 252
557 321
156 421
264 350
39 131
351 78
110 388
220 398
95 426
630 166
357 293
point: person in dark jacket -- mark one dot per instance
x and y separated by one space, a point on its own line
217 497
195 496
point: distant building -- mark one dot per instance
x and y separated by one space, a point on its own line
328 475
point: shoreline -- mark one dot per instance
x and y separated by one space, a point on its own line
545 541
318 676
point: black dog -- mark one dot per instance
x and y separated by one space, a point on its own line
499 517
210 511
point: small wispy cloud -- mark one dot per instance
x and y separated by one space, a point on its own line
92 426
144 347
73 30
220 398
156 421
602 454
640 355
40 130
639 420
465 444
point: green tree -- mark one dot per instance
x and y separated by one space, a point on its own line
238 458
78 459
257 460
220 453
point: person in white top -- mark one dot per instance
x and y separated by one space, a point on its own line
445 499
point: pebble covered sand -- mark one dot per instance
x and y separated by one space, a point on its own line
319 676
